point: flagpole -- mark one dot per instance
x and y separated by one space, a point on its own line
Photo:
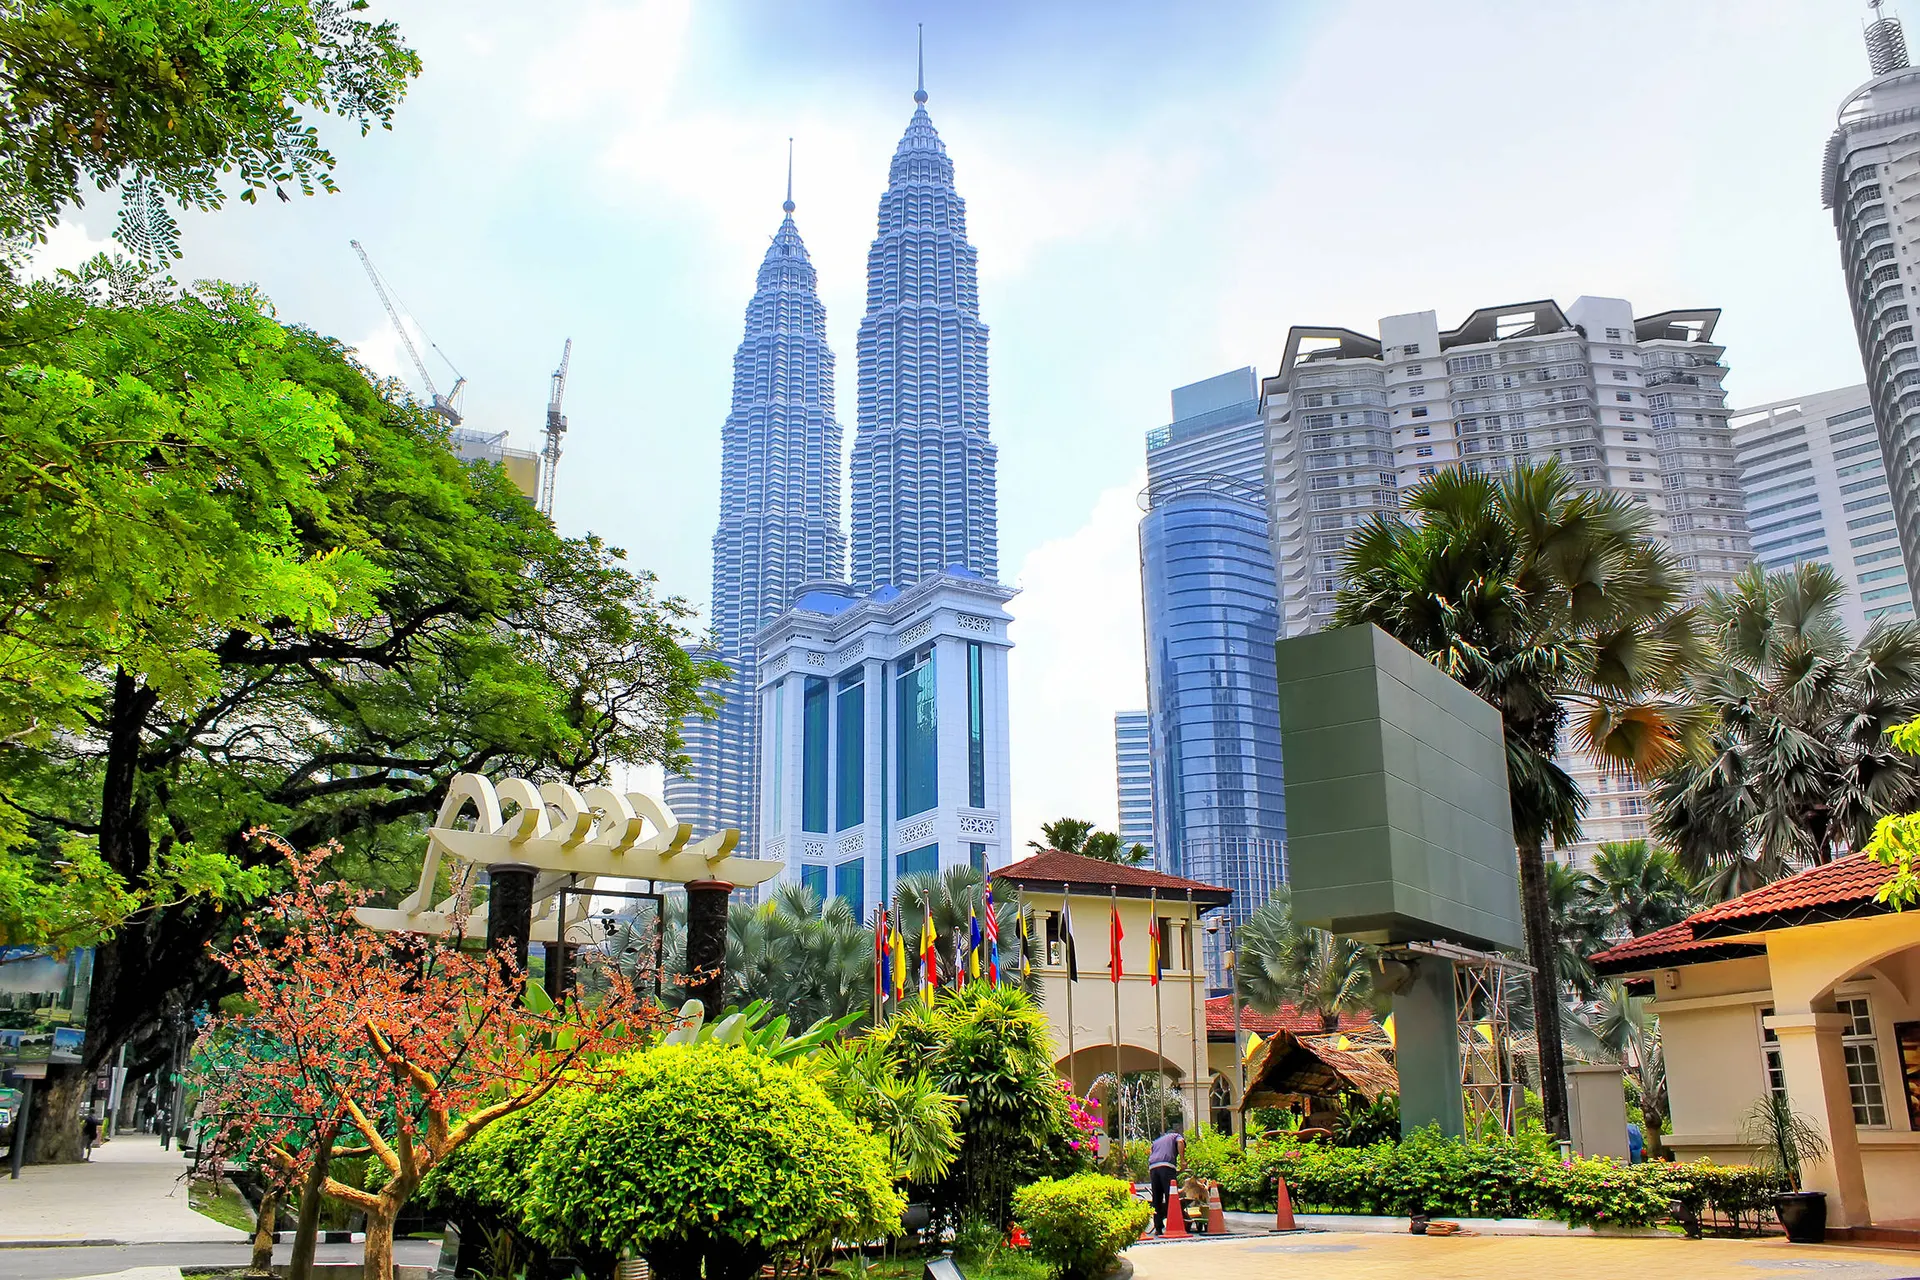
1196 1012
1154 966
1113 972
1066 954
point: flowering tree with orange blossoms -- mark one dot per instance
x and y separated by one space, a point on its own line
405 1046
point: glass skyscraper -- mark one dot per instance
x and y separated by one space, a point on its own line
779 521
923 466
1212 617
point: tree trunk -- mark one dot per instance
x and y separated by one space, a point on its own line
1537 913
263 1224
377 1264
312 1192
53 1132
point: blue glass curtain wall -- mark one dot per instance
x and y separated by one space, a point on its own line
850 882
814 877
813 755
976 728
850 752
922 861
916 753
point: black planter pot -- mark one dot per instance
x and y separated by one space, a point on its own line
1804 1215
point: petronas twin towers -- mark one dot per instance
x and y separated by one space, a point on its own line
923 464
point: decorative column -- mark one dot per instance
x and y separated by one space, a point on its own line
1427 1049
510 909
707 942
1812 1058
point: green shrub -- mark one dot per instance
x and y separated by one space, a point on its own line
1210 1153
708 1158
1134 1159
1080 1224
1741 1193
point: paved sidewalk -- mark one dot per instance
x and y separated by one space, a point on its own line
130 1192
1354 1255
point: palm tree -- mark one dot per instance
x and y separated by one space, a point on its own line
808 959
1636 888
1076 835
1629 1031
1561 609
1277 962
1579 926
1799 759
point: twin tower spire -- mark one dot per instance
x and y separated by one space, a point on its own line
922 468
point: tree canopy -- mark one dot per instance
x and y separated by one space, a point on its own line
247 586
173 102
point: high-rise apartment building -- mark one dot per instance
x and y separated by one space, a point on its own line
779 520
1628 405
1817 489
1631 406
1211 614
883 738
923 464
1870 178
1133 779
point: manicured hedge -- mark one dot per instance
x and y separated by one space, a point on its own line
1080 1224
1485 1179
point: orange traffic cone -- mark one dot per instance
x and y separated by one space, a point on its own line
1216 1212
1283 1210
1176 1214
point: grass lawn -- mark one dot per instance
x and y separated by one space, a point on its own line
1004 1264
224 1204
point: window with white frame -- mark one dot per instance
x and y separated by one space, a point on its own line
1862 1054
1770 1055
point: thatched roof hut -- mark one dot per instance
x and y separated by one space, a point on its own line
1290 1068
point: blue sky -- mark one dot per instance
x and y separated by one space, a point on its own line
1157 192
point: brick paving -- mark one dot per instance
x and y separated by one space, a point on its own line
1352 1255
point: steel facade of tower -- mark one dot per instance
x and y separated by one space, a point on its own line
779 521
923 465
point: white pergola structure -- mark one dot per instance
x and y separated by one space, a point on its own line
552 848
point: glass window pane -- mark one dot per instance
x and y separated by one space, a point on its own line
815 879
976 729
922 861
977 855
916 724
850 745
813 755
850 882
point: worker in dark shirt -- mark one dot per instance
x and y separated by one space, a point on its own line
1163 1161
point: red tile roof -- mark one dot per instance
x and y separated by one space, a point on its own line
1285 1018
1052 868
1844 886
1854 878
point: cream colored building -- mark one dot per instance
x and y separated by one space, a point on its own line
1134 1024
1807 987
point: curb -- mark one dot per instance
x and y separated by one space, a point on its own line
70 1243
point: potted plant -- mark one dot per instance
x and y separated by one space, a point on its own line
1786 1140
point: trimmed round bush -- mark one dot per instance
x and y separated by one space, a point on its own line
1079 1225
709 1160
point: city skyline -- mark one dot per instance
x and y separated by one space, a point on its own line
607 174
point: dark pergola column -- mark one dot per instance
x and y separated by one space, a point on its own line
707 942
510 909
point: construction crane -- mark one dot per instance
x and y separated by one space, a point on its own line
447 406
556 427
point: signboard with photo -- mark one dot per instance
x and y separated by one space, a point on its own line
43 1004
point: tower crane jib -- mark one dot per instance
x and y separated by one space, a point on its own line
556 427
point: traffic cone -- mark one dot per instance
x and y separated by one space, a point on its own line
1283 1210
1176 1214
1216 1212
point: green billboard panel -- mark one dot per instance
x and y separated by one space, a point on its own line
1398 827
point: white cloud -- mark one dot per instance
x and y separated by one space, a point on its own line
1077 659
68 245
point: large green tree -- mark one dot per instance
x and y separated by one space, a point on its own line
1560 608
1800 761
1077 835
174 102
401 617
